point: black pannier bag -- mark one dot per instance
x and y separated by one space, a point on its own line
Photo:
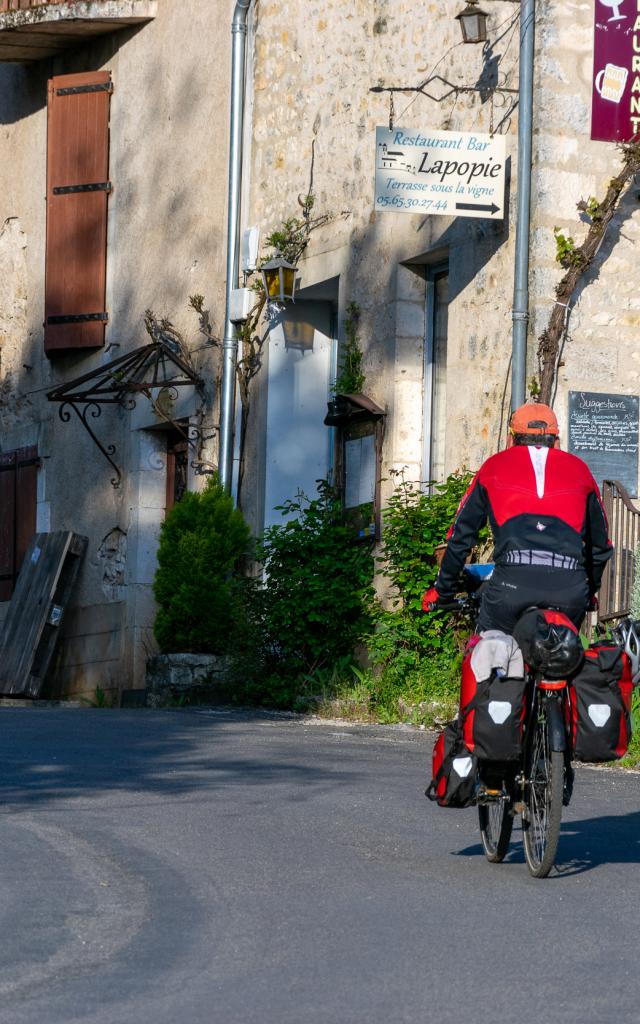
455 769
496 717
600 705
492 702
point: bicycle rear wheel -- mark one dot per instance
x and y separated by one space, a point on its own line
544 771
496 823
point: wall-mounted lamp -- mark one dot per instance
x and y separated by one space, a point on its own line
473 23
298 335
279 281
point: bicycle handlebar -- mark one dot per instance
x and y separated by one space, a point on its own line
458 604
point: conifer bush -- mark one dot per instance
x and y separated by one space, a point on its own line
201 541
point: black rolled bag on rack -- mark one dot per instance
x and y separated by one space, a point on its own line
600 705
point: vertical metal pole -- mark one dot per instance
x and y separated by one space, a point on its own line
230 344
520 312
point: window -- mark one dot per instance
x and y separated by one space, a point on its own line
435 375
18 497
78 187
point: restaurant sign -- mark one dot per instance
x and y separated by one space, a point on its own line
615 105
451 174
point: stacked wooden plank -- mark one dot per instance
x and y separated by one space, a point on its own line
36 611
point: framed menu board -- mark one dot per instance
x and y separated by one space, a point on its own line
603 430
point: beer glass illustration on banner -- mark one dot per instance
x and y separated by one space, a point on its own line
615 5
610 82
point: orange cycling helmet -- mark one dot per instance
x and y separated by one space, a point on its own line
535 419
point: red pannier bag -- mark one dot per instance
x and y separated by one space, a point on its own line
455 770
493 703
600 705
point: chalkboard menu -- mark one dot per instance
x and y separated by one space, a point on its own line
603 430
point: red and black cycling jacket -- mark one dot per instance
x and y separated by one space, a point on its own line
543 507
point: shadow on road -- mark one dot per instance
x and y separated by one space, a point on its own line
585 844
611 839
49 755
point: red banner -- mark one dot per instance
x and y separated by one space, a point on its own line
615 105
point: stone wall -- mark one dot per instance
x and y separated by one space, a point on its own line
90 654
314 120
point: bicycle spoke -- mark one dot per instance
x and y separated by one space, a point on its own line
496 823
539 793
544 799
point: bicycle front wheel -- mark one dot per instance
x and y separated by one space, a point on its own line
544 770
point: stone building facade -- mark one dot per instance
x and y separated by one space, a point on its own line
434 294
166 215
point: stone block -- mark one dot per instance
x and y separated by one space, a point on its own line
83 651
410 319
171 676
411 285
143 548
409 363
92 620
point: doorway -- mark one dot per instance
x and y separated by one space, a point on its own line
300 365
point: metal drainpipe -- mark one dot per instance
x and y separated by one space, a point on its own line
230 344
520 312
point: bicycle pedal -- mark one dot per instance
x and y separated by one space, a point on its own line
485 795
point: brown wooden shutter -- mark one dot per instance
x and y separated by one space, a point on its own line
7 524
18 499
77 192
26 501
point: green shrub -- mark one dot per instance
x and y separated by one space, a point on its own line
415 523
632 758
409 647
201 541
317 598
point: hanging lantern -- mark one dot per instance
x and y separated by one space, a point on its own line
279 281
473 23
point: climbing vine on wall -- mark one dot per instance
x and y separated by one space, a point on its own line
576 260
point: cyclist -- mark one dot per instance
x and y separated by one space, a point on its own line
548 523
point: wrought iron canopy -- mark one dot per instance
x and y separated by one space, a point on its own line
162 366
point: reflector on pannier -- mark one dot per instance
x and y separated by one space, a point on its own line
600 705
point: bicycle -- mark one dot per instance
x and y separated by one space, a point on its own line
541 781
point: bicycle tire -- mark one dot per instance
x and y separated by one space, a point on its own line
545 781
496 824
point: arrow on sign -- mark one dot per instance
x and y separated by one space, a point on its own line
478 206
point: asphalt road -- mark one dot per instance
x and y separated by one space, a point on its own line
214 867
